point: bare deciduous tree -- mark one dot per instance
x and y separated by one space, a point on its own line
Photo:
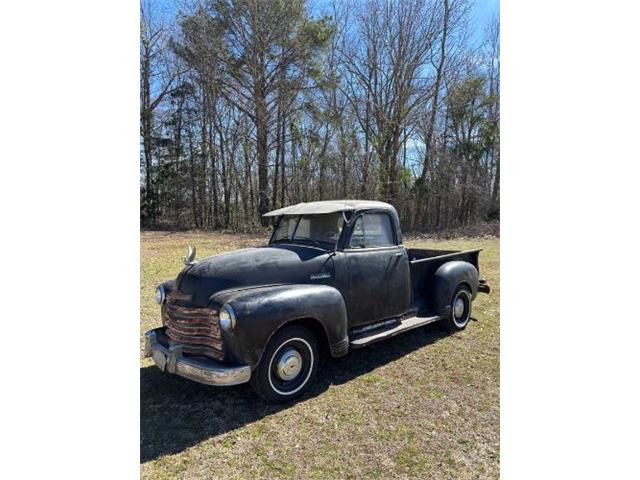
261 103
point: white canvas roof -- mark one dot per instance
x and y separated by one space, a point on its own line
327 206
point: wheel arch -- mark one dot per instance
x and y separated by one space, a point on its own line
261 312
466 284
447 278
315 326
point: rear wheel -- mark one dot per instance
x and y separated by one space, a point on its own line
288 365
460 309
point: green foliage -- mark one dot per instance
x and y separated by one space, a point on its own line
319 32
468 107
405 176
295 131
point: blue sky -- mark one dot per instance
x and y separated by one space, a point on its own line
481 13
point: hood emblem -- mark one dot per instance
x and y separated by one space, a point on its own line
318 276
191 255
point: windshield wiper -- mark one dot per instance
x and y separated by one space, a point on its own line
311 240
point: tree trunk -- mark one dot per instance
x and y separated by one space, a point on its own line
279 145
225 180
215 220
261 149
147 119
343 163
247 198
203 148
192 175
496 181
282 151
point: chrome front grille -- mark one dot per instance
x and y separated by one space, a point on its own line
196 329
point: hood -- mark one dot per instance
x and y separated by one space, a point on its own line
272 265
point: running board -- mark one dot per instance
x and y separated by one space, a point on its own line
364 338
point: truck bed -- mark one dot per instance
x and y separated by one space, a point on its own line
422 265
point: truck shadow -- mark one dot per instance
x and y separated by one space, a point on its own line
176 414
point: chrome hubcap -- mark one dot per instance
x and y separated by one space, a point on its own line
290 364
458 307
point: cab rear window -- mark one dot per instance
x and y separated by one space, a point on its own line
372 230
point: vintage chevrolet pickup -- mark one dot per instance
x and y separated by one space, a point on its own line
334 276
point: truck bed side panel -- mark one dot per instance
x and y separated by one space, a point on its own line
422 265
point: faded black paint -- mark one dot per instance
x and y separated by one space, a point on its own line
262 311
271 265
340 289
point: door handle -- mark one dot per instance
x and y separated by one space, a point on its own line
399 254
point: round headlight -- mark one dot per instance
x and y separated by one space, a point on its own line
160 295
227 318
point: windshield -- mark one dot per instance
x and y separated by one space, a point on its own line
320 230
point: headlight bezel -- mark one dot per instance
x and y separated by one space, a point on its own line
227 318
161 294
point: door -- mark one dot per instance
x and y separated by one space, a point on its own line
378 270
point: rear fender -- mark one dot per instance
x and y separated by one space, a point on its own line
447 278
261 311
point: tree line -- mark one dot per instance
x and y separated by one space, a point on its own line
250 105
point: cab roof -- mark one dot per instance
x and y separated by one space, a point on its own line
328 206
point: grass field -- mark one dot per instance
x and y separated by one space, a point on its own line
424 404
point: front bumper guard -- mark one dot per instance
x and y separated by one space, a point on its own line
170 359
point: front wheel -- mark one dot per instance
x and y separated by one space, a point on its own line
288 365
460 309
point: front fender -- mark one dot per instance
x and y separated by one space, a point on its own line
261 311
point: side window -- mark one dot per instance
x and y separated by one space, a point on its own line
377 230
372 230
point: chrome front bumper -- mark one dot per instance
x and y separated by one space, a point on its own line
170 359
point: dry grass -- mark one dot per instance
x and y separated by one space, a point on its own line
421 405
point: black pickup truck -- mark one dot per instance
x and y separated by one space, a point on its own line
334 276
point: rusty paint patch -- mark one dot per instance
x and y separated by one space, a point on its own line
196 329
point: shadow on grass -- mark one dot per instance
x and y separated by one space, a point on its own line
176 413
